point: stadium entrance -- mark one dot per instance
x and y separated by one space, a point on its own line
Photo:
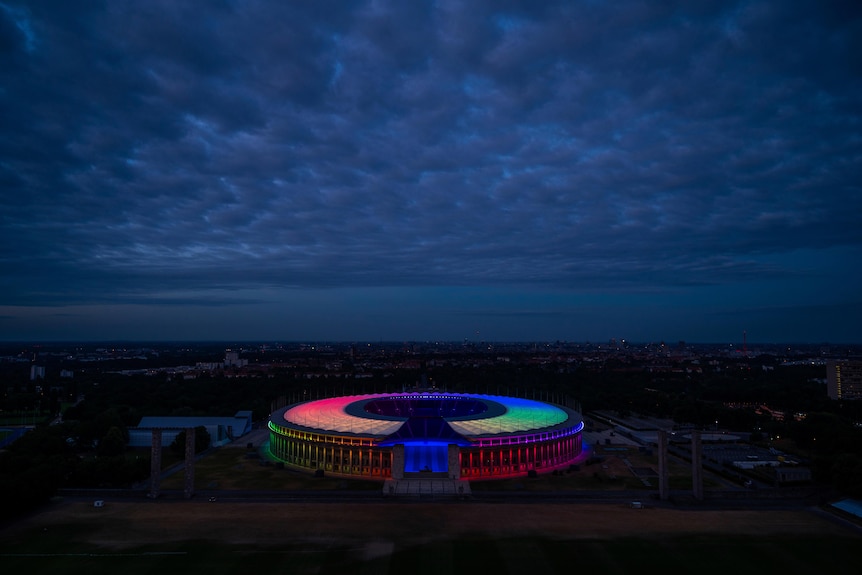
426 435
426 459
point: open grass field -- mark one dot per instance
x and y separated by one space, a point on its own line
381 536
399 536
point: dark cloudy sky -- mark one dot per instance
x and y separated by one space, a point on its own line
408 170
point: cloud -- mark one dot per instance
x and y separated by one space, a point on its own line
163 147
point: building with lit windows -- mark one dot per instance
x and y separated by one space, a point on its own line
403 435
844 379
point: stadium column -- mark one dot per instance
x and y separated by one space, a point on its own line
190 463
696 465
155 463
398 461
454 461
662 465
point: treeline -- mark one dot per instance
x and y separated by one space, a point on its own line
48 458
89 448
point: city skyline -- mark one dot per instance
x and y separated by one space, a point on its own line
482 171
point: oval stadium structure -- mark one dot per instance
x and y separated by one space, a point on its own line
402 435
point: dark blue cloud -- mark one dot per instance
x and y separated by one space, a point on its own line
173 154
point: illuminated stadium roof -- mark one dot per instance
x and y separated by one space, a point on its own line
391 435
470 415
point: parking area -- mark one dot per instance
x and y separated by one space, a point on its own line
607 437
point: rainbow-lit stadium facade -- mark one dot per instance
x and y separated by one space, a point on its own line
397 435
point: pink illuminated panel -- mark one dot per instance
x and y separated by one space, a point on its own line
330 415
521 415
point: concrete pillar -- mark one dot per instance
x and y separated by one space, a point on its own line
190 463
454 461
663 471
696 465
156 463
398 461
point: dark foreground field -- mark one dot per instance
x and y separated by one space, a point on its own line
398 536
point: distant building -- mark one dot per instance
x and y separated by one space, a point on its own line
221 429
844 379
37 372
231 359
208 365
792 475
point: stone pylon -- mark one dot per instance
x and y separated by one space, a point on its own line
663 471
190 463
156 463
696 465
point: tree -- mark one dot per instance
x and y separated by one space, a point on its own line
112 443
202 440
847 474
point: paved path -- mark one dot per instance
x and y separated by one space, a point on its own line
256 437
602 437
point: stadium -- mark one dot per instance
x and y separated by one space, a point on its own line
404 435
